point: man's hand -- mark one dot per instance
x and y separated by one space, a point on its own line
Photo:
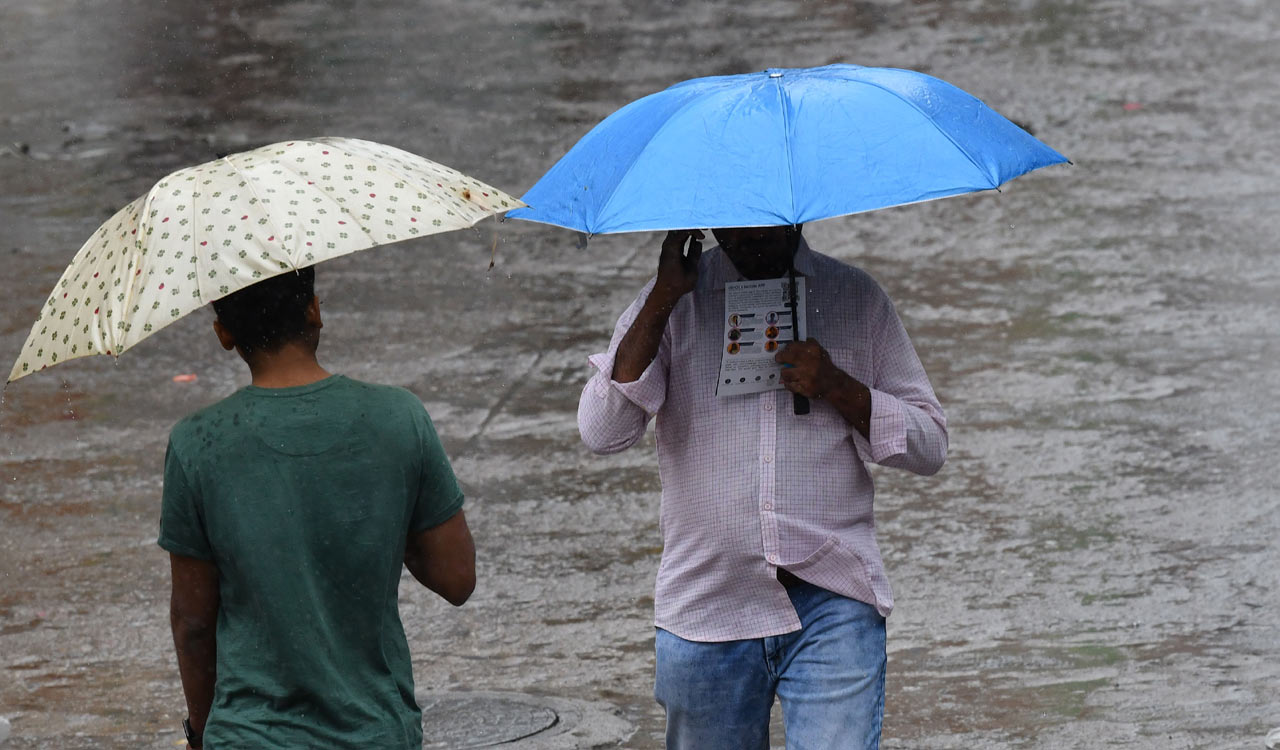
677 276
678 269
813 374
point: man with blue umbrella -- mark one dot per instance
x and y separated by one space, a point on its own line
771 582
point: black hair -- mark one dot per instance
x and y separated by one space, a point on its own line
271 313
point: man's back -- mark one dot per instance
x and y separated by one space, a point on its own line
303 498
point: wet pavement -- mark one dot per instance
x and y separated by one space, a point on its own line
1096 564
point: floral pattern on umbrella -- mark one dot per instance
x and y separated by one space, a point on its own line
206 231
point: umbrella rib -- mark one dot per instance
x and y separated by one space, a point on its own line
132 282
275 231
936 127
786 142
618 183
144 212
333 201
320 191
461 177
202 261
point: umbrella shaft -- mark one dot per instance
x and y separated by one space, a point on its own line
799 403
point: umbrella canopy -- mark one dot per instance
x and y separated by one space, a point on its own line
206 231
785 146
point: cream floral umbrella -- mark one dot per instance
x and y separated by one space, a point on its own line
203 232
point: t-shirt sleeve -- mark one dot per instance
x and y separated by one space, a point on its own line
182 528
439 496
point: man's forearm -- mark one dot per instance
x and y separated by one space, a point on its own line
639 345
198 667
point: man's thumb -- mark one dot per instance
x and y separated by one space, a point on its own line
695 252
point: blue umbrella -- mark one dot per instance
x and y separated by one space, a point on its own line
782 147
785 146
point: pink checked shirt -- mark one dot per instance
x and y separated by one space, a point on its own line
748 486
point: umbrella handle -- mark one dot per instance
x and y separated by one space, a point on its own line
799 403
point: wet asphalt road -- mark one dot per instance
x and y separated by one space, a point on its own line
1095 566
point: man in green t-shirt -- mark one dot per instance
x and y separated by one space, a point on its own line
289 508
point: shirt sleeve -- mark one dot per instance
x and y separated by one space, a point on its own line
182 529
908 427
439 496
612 416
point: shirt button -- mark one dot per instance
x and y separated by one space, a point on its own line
768 407
768 459
768 506
772 558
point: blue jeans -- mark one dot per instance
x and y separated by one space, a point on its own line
829 677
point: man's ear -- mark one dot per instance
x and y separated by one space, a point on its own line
313 313
224 336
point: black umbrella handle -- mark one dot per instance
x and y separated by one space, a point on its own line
799 403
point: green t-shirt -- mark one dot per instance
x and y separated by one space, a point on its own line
303 498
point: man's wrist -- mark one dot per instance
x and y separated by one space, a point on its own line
836 384
848 388
194 739
853 400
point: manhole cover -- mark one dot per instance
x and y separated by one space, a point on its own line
480 720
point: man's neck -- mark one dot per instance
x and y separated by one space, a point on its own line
773 264
760 273
292 365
